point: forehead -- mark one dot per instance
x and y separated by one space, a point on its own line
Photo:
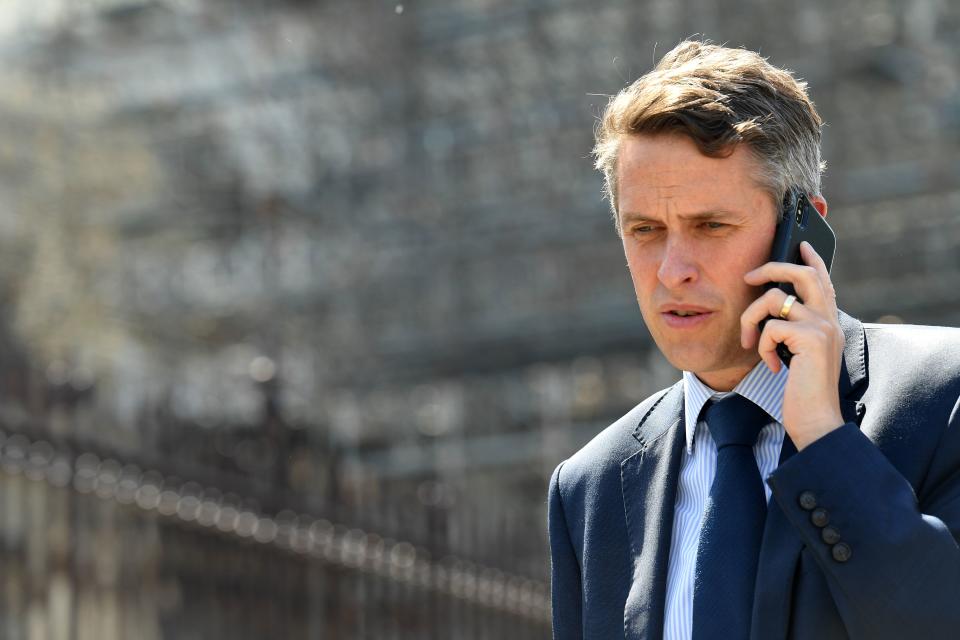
662 172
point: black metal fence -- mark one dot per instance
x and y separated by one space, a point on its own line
95 546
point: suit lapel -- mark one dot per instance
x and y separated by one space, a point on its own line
780 551
649 483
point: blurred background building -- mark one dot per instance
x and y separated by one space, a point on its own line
304 301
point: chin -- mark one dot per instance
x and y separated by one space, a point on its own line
690 360
704 359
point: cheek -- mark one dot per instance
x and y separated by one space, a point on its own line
639 262
759 256
643 272
746 262
751 252
633 264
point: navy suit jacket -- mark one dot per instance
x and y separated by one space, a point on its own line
889 479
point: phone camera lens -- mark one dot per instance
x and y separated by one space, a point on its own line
800 215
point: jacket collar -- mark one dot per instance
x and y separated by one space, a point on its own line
853 368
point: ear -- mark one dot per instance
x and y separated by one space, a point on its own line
820 204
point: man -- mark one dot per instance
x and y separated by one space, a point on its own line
833 511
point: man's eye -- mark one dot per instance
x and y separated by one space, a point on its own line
714 225
646 228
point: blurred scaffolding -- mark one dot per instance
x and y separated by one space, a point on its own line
305 301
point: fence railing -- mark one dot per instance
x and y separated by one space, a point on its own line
94 546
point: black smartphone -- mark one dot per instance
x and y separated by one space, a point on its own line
799 221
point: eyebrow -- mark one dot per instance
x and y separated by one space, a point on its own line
696 217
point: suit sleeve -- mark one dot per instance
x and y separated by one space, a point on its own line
565 583
895 570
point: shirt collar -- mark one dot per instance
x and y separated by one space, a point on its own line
761 386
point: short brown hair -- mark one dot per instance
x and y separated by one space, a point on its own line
719 97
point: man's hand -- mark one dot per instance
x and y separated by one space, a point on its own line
811 400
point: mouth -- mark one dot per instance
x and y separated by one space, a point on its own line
685 318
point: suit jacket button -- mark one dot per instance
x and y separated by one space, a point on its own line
841 552
830 535
820 517
808 501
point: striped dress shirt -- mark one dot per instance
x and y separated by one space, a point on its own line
697 469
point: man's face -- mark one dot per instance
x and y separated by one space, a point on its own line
692 227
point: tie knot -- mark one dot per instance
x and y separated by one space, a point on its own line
734 420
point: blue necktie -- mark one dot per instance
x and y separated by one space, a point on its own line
733 521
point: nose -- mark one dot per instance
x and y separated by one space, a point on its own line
678 265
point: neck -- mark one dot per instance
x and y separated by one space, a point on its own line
726 379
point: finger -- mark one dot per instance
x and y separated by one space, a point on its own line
769 304
813 259
805 279
798 336
792 334
773 334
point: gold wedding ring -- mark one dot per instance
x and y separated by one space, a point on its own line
787 305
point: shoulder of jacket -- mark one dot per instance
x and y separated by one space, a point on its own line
922 339
608 448
922 352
